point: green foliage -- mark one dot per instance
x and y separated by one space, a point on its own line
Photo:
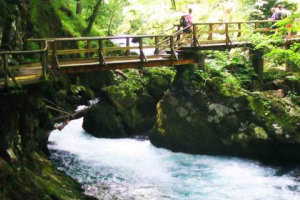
261 9
138 81
7 11
272 44
229 64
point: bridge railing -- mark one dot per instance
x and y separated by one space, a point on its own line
64 52
105 49
227 32
6 68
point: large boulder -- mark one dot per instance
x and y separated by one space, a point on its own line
210 113
129 107
102 120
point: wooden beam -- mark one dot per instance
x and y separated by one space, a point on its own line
211 41
100 52
5 66
88 46
178 36
210 33
156 51
227 34
67 69
44 63
142 55
7 72
55 62
256 25
240 30
127 53
173 53
195 40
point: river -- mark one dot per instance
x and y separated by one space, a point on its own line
135 169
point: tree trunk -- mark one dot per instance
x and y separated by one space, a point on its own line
173 2
78 7
93 16
110 24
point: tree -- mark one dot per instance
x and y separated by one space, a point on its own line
93 16
173 2
78 7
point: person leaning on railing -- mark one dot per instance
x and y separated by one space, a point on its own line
273 16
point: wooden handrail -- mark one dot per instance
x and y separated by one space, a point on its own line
26 52
162 33
181 30
93 38
237 22
162 41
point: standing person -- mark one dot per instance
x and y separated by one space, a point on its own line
273 11
189 17
279 12
186 20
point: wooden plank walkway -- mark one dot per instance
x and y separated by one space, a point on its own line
85 54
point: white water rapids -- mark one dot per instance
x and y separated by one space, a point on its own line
135 169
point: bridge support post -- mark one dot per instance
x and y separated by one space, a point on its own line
156 51
88 46
210 35
127 52
178 36
142 54
173 53
44 62
100 53
256 55
5 66
240 30
54 55
200 59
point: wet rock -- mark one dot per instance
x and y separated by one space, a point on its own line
224 118
129 106
102 120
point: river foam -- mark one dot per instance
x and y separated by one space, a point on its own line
135 169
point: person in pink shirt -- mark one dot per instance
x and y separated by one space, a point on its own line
186 21
189 17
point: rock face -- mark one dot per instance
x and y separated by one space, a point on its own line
128 107
210 113
25 171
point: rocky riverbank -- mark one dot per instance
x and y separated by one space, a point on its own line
25 171
212 112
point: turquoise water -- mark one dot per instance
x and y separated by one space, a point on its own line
135 169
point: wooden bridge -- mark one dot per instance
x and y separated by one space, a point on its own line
82 54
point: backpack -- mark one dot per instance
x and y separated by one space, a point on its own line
183 22
278 15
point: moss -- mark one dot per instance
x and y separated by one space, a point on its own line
260 133
213 113
240 138
45 13
274 110
102 120
132 100
23 136
36 179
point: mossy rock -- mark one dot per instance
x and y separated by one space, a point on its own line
103 120
200 115
130 104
